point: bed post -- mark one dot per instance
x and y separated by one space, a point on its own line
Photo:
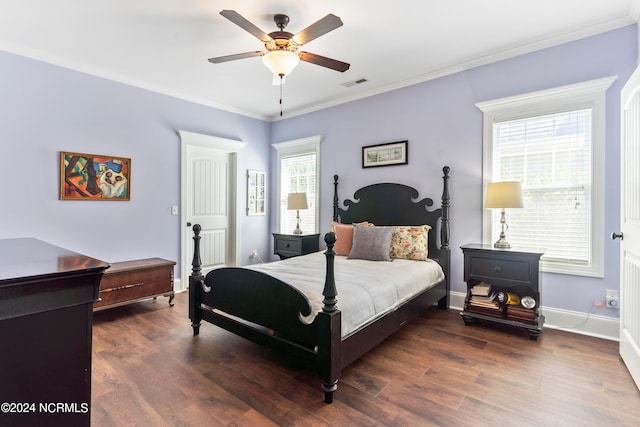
445 252
330 291
444 230
335 198
329 327
195 282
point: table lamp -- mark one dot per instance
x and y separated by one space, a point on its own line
297 201
504 195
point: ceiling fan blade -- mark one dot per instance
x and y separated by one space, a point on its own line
243 23
323 61
317 29
228 58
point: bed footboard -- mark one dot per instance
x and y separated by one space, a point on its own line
254 297
260 299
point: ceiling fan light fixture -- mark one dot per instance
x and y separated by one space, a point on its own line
281 62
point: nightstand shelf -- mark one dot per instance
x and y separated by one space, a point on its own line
290 245
503 286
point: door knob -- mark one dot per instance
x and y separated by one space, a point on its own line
615 235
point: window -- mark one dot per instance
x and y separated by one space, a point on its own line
298 171
553 143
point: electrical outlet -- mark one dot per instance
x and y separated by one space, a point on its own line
254 253
174 210
612 299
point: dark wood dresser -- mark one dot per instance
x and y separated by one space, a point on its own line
46 316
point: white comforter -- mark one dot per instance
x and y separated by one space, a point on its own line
366 289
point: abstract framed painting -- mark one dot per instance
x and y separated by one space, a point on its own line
94 177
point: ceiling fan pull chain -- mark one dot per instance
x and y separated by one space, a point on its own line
281 76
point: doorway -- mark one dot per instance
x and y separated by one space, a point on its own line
208 196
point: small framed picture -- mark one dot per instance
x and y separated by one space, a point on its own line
256 192
392 153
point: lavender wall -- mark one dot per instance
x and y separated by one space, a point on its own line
443 126
45 109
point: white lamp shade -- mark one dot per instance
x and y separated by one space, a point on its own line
281 62
297 201
506 194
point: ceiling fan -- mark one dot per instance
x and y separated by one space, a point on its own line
282 55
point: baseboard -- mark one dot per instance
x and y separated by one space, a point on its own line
571 321
456 300
589 324
177 286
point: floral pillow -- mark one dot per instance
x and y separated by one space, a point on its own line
410 242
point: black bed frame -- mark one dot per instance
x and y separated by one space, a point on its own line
267 311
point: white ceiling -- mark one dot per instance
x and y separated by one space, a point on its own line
163 45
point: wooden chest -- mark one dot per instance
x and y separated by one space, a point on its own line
131 281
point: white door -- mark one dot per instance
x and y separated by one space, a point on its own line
209 198
208 204
630 227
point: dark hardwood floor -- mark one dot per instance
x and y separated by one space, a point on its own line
148 370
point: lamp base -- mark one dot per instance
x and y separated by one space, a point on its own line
297 230
502 244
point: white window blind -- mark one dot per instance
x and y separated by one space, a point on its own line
551 155
553 142
298 175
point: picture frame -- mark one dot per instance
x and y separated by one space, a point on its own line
392 153
94 177
256 192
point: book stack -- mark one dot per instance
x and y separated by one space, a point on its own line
521 314
483 300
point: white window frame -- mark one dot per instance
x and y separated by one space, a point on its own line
590 94
292 148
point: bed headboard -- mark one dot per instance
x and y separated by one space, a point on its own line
397 204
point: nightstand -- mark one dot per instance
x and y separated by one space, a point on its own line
503 286
290 245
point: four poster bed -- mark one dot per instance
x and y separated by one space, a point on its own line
328 313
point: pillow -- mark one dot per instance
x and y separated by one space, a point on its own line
344 236
371 243
410 242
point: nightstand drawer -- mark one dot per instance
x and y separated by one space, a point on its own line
293 246
290 245
501 269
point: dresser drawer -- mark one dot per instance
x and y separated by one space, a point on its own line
500 269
